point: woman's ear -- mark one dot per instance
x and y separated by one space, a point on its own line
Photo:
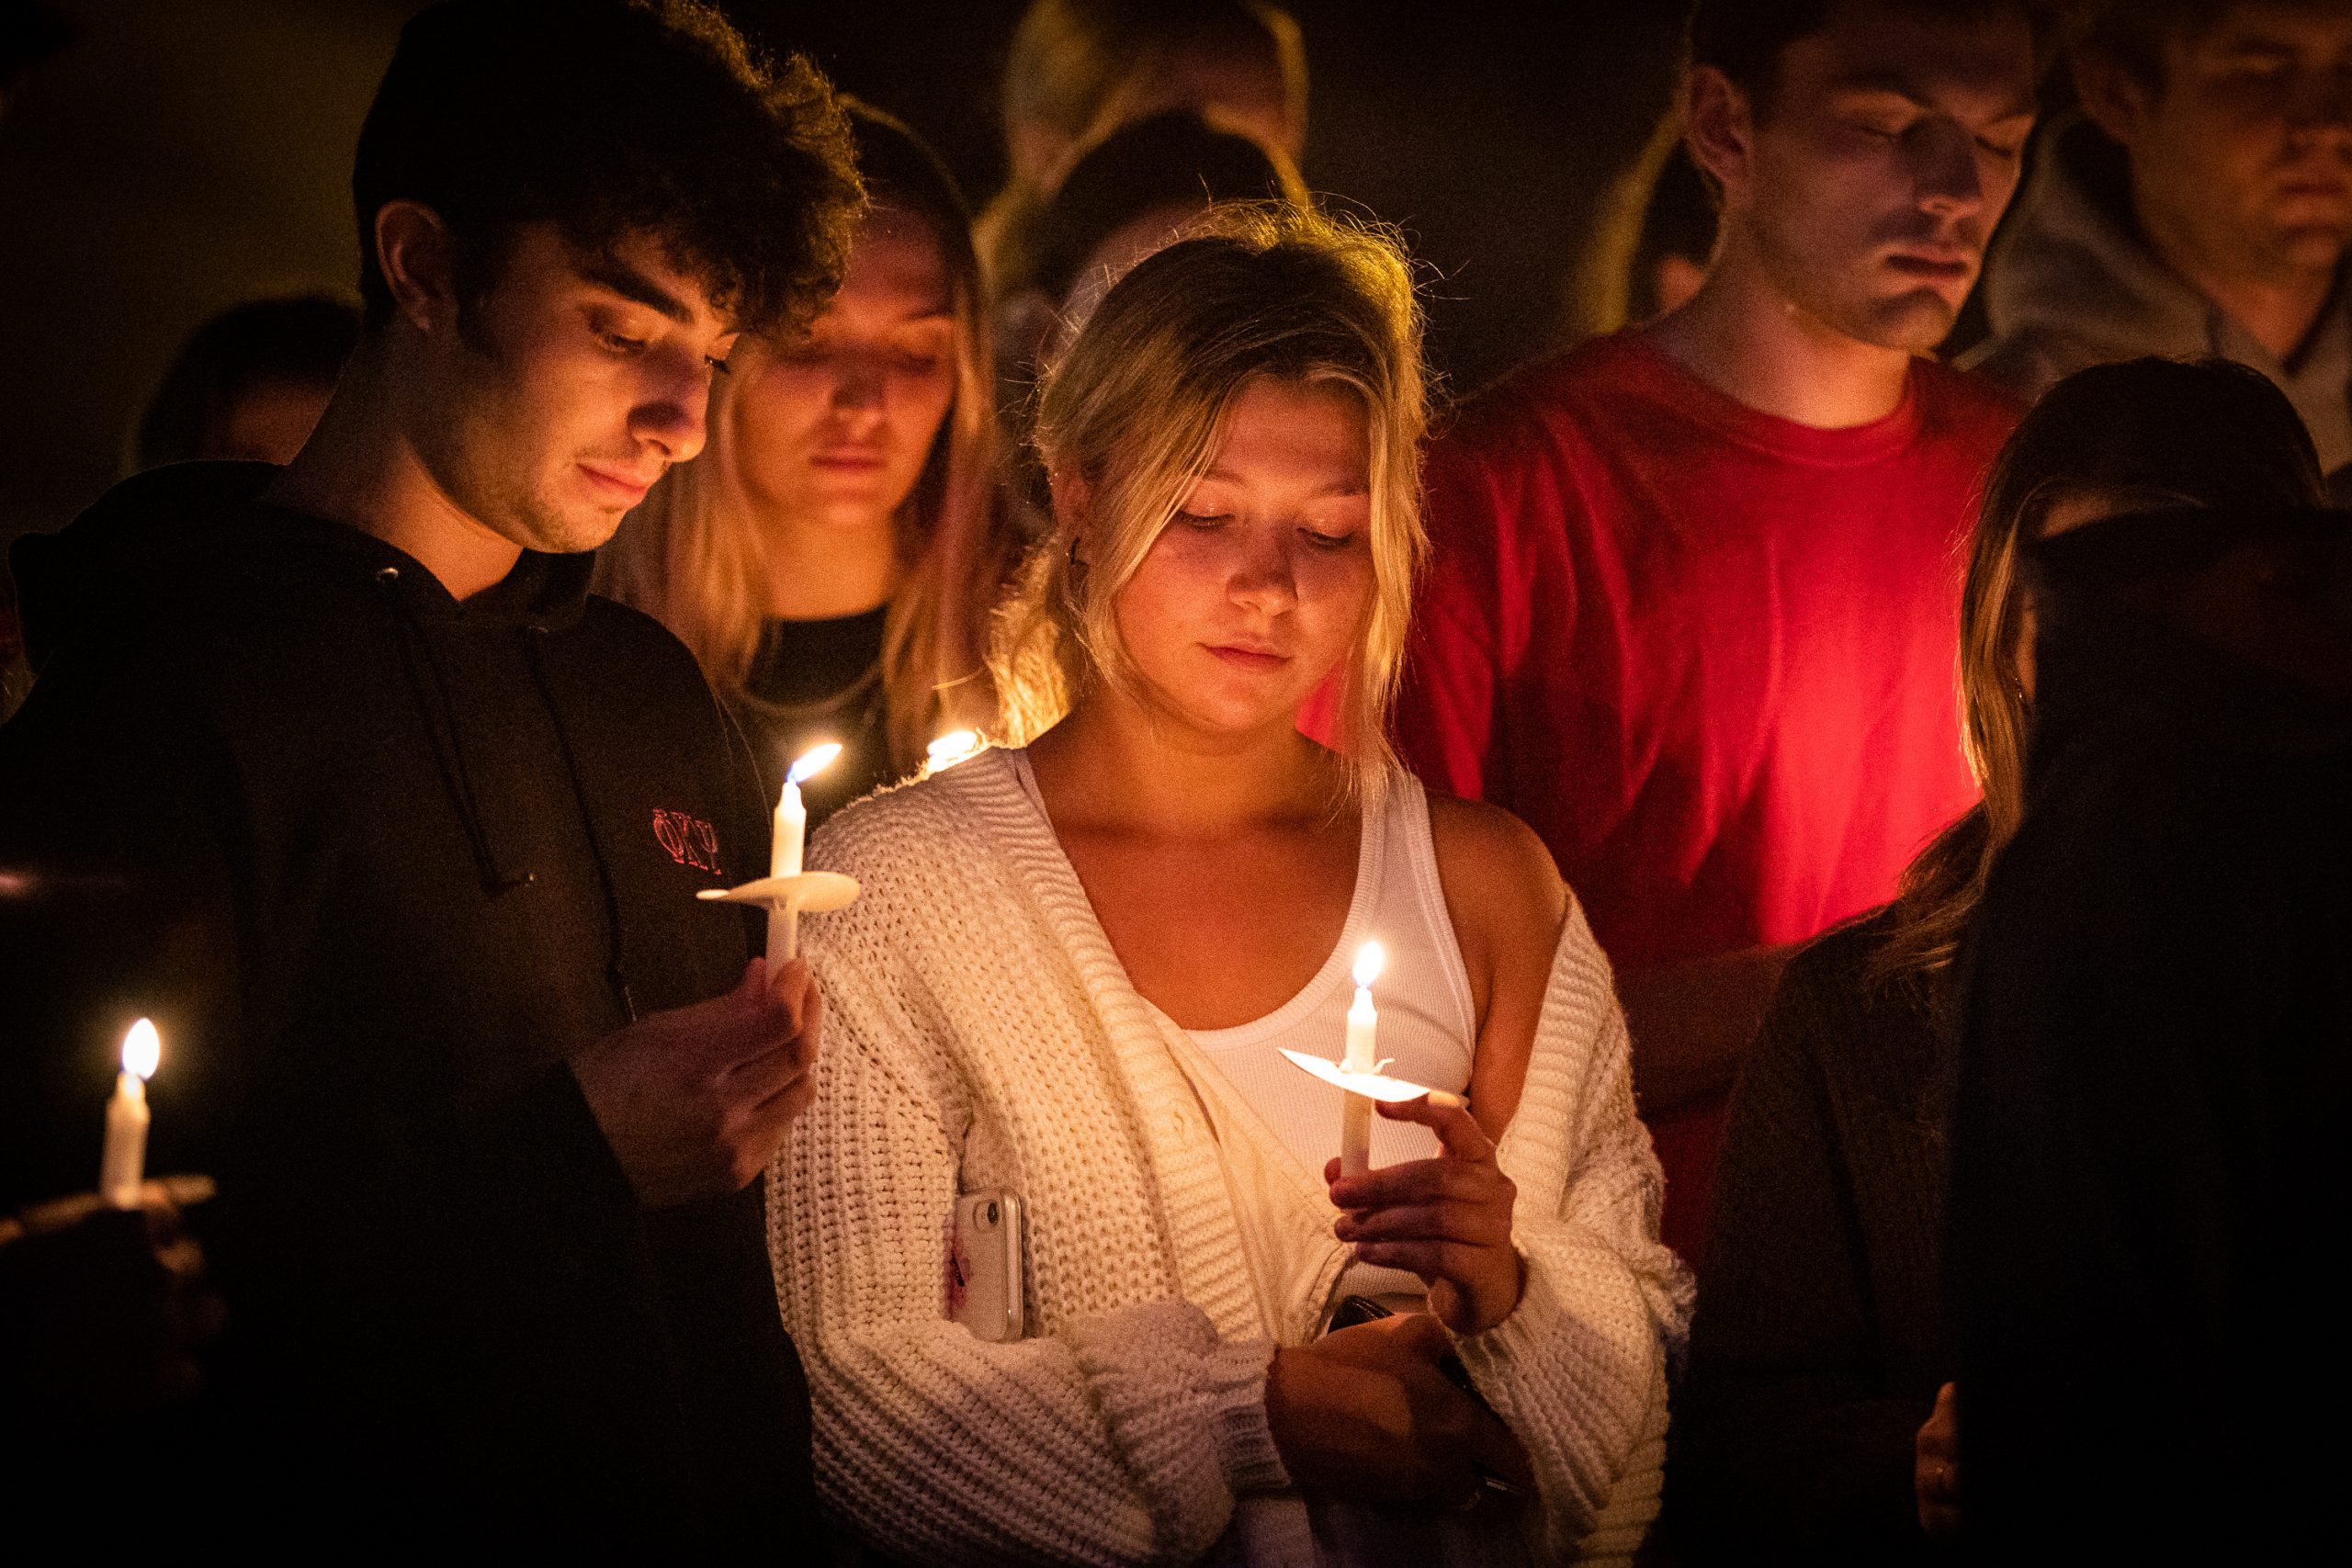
1073 498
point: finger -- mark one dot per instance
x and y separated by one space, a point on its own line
774 1117
1419 1181
812 1025
793 985
1419 1335
1432 1260
1480 1223
1458 1132
756 1080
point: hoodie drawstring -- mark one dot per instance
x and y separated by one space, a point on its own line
448 745
617 967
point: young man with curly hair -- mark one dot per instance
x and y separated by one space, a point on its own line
338 771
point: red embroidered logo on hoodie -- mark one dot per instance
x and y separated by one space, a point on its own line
690 840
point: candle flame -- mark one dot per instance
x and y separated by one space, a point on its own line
1369 960
814 761
952 747
142 1049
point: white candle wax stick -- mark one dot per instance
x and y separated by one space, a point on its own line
1363 1026
784 860
1355 1135
123 1164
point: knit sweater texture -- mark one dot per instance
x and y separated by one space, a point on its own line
1819 1344
981 1033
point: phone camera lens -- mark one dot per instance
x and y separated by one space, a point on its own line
992 1213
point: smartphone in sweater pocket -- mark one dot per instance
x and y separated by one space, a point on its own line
985 1283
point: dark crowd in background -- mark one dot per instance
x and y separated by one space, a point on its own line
729 730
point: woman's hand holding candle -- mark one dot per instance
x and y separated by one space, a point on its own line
1367 1414
1447 1220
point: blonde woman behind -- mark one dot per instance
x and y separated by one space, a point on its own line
833 556
1072 965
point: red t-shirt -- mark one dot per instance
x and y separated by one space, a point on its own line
1709 655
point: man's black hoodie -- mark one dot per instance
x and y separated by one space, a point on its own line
379 863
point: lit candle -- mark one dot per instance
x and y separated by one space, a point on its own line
1363 1023
786 850
949 749
125 1161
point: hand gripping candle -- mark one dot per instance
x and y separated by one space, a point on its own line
124 1162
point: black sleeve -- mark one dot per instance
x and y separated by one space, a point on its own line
1782 1434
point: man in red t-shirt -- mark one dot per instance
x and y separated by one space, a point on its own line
1694 615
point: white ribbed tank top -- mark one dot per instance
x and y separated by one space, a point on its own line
1427 1025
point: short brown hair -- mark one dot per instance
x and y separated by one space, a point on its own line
1745 39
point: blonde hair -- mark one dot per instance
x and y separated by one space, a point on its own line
693 555
1134 411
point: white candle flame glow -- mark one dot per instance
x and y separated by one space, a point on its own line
813 762
1371 959
142 1049
952 747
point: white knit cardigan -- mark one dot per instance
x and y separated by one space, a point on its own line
980 1033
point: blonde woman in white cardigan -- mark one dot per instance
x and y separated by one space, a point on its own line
1070 964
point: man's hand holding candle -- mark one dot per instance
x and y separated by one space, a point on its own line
105 1308
695 1101
1447 1220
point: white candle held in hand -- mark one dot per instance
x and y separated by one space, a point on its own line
1363 1023
124 1162
790 842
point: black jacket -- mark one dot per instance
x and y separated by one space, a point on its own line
2156 1062
379 863
1818 1344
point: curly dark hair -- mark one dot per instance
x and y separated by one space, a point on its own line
610 119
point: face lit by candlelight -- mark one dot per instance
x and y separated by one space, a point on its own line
143 1048
546 403
832 429
1259 585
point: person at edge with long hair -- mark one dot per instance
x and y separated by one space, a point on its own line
833 556
1072 964
1817 1415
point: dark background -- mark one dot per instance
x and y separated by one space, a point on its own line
185 154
